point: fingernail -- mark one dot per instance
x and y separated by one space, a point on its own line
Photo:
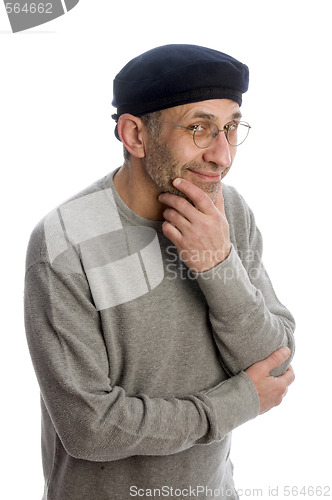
286 351
176 182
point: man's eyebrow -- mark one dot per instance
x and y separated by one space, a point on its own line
237 116
209 116
204 116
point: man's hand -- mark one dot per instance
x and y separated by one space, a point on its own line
271 390
200 232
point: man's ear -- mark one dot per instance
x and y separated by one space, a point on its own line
130 132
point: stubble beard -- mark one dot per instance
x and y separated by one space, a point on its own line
162 168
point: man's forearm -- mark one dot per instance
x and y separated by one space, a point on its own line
246 328
248 321
98 421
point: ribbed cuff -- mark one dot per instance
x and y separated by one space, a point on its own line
234 401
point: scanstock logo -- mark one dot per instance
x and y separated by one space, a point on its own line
85 236
24 15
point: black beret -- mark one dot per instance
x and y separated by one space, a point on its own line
177 74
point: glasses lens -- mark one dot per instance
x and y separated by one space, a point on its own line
205 134
237 133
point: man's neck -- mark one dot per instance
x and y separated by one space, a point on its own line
140 195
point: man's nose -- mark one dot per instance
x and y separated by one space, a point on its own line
219 151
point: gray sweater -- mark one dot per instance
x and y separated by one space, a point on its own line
140 361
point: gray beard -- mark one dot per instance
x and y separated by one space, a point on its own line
163 169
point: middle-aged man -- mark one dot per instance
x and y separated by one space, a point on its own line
153 327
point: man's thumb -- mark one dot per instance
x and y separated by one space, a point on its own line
278 357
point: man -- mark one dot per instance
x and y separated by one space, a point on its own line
152 324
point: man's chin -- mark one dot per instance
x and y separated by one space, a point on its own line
210 189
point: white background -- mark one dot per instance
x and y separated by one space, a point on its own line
57 138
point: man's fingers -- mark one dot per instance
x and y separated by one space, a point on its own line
172 233
288 376
277 358
182 206
271 390
200 199
199 230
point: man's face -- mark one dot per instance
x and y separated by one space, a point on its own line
174 153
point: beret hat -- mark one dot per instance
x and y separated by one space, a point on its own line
176 74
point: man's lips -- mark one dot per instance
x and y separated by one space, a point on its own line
207 176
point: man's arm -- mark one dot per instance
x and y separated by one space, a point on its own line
248 321
96 420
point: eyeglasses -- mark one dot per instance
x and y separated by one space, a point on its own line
205 134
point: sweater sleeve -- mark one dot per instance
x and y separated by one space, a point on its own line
248 320
95 420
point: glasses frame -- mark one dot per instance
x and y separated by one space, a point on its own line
226 129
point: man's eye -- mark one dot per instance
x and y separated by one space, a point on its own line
231 126
201 128
198 128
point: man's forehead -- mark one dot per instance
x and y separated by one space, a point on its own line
213 109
